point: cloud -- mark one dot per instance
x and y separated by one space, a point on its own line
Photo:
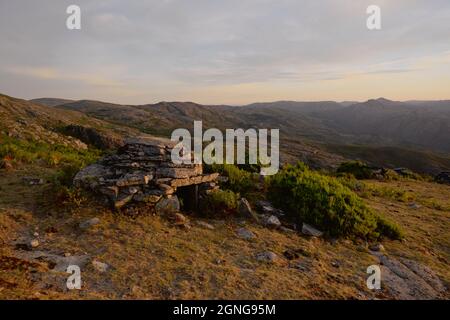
43 73
155 47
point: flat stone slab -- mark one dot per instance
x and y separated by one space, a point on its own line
152 141
194 180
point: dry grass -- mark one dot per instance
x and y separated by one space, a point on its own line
152 259
427 227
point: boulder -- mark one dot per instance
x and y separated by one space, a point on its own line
267 256
267 208
271 221
245 234
167 206
245 209
408 279
311 231
90 176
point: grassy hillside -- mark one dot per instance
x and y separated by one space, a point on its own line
390 128
211 262
25 120
394 157
207 257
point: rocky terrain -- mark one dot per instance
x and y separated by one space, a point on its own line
134 228
192 257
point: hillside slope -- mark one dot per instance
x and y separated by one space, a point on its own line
23 119
133 254
320 133
424 125
50 102
149 257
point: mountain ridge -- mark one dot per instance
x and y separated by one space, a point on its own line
319 133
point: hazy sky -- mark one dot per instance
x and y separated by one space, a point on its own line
225 51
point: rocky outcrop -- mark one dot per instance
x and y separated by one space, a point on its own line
407 279
94 137
142 171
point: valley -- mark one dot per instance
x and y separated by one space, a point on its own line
316 132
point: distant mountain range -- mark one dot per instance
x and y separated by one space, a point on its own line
421 125
413 134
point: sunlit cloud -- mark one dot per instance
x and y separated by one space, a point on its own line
234 51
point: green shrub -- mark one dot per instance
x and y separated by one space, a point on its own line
358 169
351 182
67 160
67 196
392 193
65 175
239 180
62 188
390 175
409 174
220 202
25 151
324 202
388 229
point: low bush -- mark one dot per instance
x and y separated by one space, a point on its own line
65 175
357 168
388 228
326 203
352 183
392 193
220 202
409 174
62 188
25 151
390 175
68 196
239 180
67 160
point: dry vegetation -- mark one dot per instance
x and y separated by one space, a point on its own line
151 258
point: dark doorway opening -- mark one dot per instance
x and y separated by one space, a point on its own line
188 197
